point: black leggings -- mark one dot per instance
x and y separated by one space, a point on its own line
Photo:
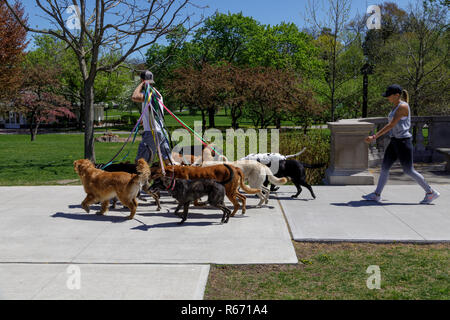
401 149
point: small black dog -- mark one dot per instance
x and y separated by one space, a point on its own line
294 170
187 191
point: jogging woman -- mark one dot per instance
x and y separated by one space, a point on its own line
400 146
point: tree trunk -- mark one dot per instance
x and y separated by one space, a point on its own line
211 114
35 131
278 122
89 152
236 113
233 118
203 119
32 134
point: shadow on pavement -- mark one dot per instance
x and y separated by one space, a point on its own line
290 198
365 203
145 227
89 217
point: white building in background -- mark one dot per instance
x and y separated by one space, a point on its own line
12 120
16 120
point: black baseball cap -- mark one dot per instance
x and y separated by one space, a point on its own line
147 76
392 89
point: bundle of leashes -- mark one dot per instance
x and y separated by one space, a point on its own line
152 99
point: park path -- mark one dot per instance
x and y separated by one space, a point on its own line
47 240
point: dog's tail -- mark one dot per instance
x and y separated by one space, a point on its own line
272 178
244 187
296 155
314 166
230 177
143 172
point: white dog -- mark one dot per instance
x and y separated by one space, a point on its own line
271 159
254 172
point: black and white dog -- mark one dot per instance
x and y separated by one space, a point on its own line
282 167
295 171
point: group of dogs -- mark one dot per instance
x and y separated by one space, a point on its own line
190 178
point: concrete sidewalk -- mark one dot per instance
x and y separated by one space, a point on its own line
340 214
47 224
43 231
106 281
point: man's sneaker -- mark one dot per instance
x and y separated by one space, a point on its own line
372 197
429 197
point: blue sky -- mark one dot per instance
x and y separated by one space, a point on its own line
265 11
273 12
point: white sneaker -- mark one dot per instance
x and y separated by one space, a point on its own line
372 197
429 197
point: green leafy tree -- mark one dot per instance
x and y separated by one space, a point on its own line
119 27
334 40
418 59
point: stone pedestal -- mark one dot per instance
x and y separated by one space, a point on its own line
349 160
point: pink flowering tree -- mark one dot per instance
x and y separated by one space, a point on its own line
39 99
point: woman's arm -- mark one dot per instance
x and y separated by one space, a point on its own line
401 112
137 94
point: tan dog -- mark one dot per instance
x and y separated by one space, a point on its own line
255 173
219 173
101 186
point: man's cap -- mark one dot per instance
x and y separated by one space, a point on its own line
392 89
147 76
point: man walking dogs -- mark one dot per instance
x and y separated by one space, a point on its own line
159 134
400 146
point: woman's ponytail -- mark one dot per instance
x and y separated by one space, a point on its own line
405 96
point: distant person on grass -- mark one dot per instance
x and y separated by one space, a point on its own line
400 146
159 130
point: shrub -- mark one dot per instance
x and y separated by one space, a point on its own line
317 143
129 119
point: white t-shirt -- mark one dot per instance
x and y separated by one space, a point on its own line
146 116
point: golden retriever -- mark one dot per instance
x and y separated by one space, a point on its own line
101 186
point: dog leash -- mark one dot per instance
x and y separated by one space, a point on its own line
174 181
184 125
148 98
135 131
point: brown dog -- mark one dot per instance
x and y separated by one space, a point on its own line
219 173
101 186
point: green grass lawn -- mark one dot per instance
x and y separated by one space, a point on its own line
338 271
49 159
